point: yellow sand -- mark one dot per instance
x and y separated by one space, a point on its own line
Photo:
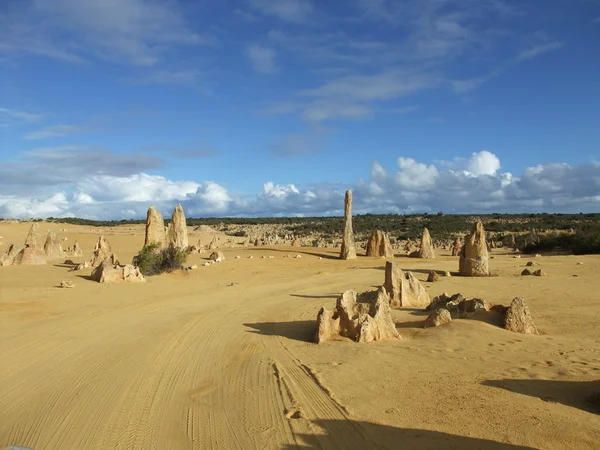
221 358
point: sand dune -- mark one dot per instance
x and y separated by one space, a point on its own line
220 358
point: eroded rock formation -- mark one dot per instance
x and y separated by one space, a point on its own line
177 232
52 248
348 250
474 257
155 228
404 290
107 272
379 245
518 318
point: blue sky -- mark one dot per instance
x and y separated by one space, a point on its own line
264 107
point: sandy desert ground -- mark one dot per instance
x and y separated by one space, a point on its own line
221 358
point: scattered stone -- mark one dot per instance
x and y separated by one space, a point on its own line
518 318
192 267
517 256
217 256
177 231
538 255
271 257
52 247
348 251
78 267
439 317
579 263
237 257
530 263
65 238
447 274
250 257
67 284
320 257
539 273
433 276
362 318
206 264
474 257
298 256
404 290
379 245
114 273
526 272
69 262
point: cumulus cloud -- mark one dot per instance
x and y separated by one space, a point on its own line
464 185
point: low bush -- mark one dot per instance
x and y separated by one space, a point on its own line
584 243
153 260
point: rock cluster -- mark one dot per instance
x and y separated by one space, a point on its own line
9 256
102 252
75 250
404 289
379 245
439 317
348 251
107 272
474 257
362 318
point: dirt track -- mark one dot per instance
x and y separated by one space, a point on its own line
219 358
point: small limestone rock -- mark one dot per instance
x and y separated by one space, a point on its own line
539 273
433 276
518 318
206 264
67 284
271 257
530 263
237 257
404 289
447 274
517 256
102 251
526 272
538 255
192 267
217 256
113 273
439 317
298 256
69 262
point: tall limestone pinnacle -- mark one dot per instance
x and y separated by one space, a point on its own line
348 250
474 258
177 234
155 228
426 251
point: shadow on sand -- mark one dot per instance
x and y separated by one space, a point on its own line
299 330
349 434
296 250
333 296
584 395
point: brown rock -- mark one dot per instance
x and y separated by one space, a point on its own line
348 250
426 250
217 256
362 318
474 257
526 272
177 233
67 284
379 245
155 228
518 318
539 273
439 317
530 263
114 273
76 249
29 256
9 256
102 251
433 276
404 290
52 248
456 247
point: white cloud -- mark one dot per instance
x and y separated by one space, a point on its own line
212 198
539 50
53 131
12 117
262 58
279 191
297 11
483 163
414 175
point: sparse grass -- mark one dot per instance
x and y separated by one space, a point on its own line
152 260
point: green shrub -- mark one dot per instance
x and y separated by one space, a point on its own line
583 243
152 260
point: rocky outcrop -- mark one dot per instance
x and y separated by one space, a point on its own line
9 256
474 257
33 237
102 251
30 256
404 290
426 250
52 248
438 317
379 245
518 318
362 318
458 304
348 250
114 273
433 276
217 256
76 250
177 232
155 228
456 247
